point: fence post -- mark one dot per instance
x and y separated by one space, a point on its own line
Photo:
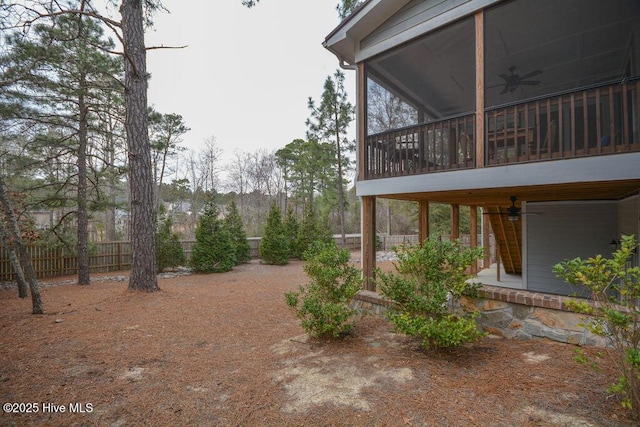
59 261
119 252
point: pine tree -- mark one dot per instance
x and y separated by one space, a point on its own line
311 230
169 252
329 122
274 248
66 76
234 224
213 251
291 231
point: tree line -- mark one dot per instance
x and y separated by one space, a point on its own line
79 140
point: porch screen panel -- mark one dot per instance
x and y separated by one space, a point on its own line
420 98
543 47
429 79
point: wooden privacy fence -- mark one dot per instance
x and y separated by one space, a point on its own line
52 262
105 257
115 256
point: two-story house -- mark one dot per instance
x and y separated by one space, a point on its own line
529 109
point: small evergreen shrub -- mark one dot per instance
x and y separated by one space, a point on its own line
233 222
312 231
213 251
615 288
323 304
274 247
291 230
427 286
169 251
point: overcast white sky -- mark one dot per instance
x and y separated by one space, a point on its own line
246 74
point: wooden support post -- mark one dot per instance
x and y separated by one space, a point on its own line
455 222
479 20
369 241
486 242
473 225
423 221
497 262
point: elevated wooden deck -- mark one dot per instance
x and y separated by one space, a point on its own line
594 121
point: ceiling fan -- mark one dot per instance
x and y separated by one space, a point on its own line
513 81
513 212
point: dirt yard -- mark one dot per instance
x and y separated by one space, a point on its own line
224 350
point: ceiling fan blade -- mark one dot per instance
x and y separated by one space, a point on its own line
530 82
531 74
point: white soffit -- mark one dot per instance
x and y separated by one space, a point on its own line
344 40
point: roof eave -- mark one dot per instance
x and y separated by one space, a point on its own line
345 39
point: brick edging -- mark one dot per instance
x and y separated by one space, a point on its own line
514 296
520 296
373 298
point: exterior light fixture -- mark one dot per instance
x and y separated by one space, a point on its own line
615 245
513 212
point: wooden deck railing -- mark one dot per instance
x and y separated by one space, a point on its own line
436 146
593 121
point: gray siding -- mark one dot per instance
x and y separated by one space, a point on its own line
629 217
565 230
413 14
415 19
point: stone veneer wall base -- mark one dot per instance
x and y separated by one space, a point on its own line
511 313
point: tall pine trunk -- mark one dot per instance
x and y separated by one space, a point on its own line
15 262
83 219
143 263
16 240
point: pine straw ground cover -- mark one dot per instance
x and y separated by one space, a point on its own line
223 349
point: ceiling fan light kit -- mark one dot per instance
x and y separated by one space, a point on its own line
513 212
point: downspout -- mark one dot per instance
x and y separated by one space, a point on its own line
345 66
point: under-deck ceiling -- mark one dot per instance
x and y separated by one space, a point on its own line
607 190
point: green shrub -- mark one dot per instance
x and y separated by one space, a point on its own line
291 231
323 304
169 251
427 286
274 247
312 231
213 251
615 290
233 222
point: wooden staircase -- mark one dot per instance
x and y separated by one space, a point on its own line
508 236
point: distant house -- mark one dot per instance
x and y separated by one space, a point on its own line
473 102
42 219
